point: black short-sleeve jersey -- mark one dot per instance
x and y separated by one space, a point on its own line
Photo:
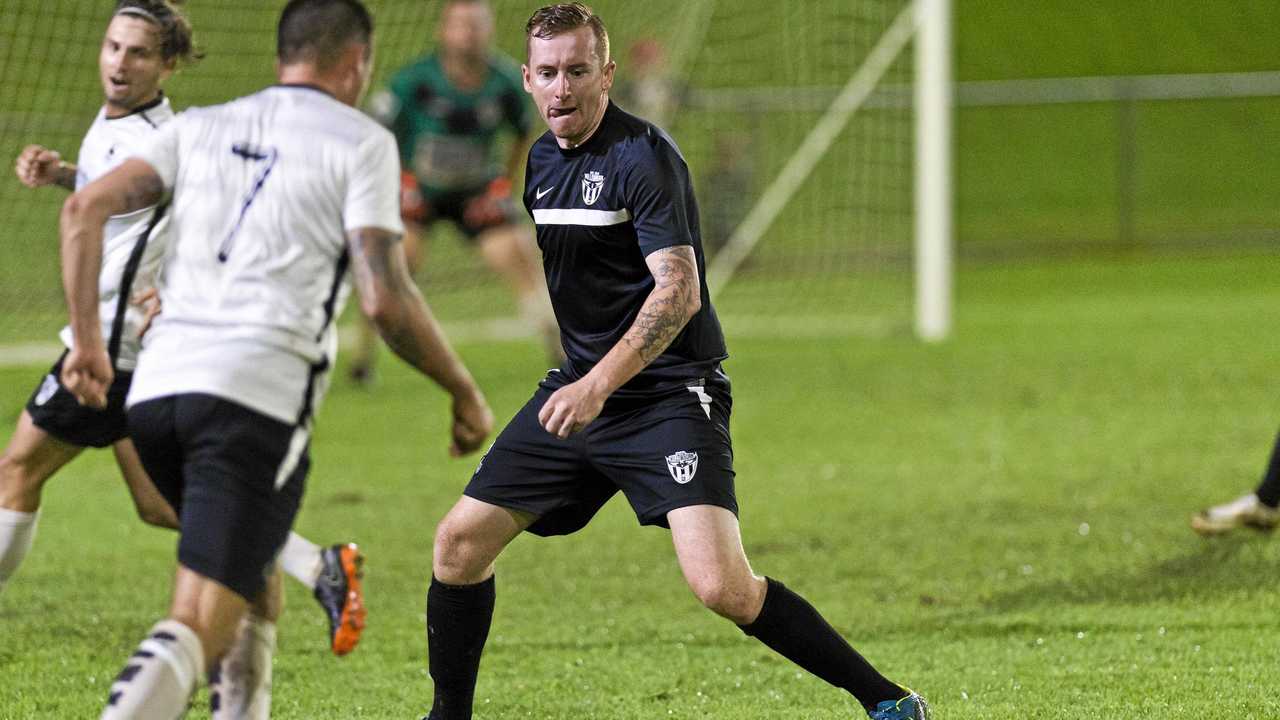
600 208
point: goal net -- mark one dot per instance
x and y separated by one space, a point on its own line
796 120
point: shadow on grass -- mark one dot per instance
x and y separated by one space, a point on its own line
1210 569
1205 572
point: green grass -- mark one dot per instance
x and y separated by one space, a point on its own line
1029 179
999 521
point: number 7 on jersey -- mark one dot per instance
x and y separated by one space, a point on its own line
250 153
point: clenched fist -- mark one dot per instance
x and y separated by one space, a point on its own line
38 166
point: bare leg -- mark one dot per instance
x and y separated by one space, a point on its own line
240 685
32 457
160 678
709 547
470 537
460 601
209 608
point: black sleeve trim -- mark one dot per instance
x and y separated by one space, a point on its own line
126 282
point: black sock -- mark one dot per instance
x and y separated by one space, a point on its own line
794 629
1269 490
458 618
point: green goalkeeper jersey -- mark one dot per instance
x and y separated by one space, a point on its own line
448 137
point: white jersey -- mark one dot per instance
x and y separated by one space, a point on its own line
132 244
264 191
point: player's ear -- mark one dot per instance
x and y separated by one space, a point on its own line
524 75
608 75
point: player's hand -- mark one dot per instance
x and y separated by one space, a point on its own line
472 423
37 166
413 206
87 375
570 409
149 300
488 209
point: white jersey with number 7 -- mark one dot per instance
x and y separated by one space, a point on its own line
264 190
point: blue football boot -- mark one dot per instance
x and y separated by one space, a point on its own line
911 707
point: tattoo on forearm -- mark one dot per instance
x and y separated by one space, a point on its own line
668 308
66 176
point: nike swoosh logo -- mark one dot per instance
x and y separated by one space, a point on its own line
540 192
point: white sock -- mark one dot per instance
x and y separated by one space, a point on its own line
301 559
241 687
17 531
158 681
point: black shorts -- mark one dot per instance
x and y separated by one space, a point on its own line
664 452
54 410
218 463
453 207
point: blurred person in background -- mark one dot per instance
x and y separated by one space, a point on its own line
448 111
647 89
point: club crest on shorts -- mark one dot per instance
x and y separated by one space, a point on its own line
47 389
682 466
592 183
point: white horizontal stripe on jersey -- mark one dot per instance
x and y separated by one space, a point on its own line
574 216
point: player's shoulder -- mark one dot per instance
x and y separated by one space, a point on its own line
300 110
544 146
637 141
142 120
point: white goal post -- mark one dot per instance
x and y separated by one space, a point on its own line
928 22
934 240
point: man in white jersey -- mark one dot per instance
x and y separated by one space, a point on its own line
274 196
143 43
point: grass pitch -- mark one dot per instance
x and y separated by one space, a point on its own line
999 521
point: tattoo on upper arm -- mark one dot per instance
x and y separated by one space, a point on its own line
143 190
377 267
674 300
383 281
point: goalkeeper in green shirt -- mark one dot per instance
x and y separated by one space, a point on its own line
448 111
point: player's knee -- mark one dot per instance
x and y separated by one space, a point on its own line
19 475
458 552
725 597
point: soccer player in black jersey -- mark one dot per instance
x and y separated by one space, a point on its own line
640 405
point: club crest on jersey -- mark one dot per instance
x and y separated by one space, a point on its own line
682 466
47 389
592 183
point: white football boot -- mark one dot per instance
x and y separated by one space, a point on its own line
1246 511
